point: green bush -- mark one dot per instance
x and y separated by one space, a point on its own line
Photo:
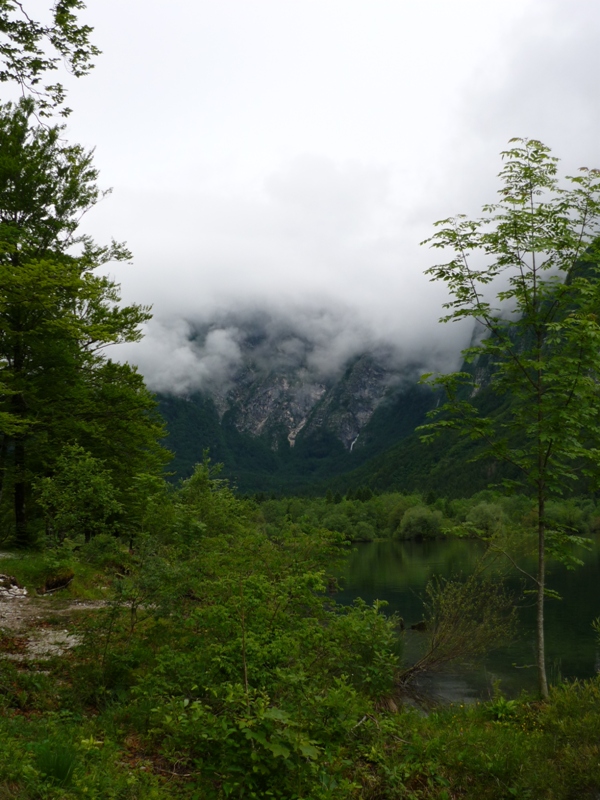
487 518
420 522
363 532
56 760
337 521
400 506
566 516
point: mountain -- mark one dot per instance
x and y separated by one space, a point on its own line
278 423
284 416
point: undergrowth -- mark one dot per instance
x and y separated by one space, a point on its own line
219 667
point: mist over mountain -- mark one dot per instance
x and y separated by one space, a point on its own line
179 356
286 401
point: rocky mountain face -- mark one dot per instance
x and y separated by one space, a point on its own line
279 417
272 404
289 401
351 402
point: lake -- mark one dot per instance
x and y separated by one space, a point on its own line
398 572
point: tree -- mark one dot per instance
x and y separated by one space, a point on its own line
535 251
29 49
57 315
79 498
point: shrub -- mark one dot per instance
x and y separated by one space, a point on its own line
56 761
337 521
420 522
399 509
363 532
567 516
488 518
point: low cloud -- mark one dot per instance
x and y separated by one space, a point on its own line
319 249
175 362
314 260
181 357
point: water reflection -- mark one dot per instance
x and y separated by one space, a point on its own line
398 572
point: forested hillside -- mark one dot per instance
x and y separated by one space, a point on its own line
317 456
389 454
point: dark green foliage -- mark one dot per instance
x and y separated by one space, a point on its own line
57 315
357 520
56 761
79 498
230 653
487 519
445 467
222 666
194 427
420 522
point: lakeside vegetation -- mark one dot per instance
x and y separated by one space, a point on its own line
363 516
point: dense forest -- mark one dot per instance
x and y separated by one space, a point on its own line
179 637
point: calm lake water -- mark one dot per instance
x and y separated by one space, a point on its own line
398 572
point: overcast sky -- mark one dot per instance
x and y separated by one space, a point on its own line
290 155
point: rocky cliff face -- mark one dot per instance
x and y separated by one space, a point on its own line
288 400
275 403
279 413
349 404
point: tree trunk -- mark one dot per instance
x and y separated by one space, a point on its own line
542 464
20 492
3 452
541 579
19 410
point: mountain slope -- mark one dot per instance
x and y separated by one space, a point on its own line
356 418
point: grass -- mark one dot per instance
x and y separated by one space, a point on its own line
55 761
523 748
35 570
540 752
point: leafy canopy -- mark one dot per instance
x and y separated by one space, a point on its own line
57 317
29 49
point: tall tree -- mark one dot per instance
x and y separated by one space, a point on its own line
57 314
30 49
527 273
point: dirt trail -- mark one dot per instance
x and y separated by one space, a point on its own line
21 613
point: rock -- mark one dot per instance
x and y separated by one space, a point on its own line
10 587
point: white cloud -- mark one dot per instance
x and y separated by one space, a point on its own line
288 157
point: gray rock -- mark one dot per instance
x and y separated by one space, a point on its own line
10 587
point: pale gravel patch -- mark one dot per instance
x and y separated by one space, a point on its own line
25 614
44 644
19 613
